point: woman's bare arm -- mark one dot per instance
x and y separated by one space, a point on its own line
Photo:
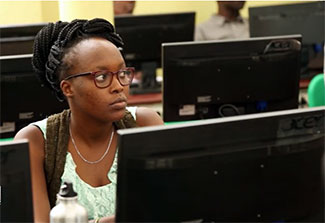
41 203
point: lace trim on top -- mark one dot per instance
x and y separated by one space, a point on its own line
99 201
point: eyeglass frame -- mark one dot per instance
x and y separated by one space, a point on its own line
93 74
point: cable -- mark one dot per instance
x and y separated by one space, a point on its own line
229 106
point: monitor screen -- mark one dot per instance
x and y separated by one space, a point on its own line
307 19
18 39
23 98
16 194
266 167
212 79
143 36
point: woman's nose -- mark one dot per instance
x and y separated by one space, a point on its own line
116 85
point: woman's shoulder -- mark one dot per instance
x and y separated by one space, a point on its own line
34 136
147 117
41 125
33 130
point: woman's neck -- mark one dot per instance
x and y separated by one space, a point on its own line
90 129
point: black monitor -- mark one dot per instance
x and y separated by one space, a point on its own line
212 79
16 194
20 30
23 98
18 39
16 46
143 36
307 19
266 167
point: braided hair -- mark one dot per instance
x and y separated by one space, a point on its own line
57 39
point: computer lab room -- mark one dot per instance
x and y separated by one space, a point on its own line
162 111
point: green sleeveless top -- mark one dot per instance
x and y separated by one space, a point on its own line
99 201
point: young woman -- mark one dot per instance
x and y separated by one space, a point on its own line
81 62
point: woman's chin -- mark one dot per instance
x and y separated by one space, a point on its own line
117 115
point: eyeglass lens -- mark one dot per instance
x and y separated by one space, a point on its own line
104 78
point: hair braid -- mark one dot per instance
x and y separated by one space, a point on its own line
42 47
56 39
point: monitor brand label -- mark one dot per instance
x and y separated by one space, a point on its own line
299 125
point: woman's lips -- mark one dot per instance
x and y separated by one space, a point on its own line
119 103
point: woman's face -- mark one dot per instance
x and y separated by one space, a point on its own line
106 104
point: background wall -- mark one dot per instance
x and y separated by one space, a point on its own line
15 12
23 12
203 9
69 10
12 12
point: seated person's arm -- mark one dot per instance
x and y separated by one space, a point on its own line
41 203
148 117
198 34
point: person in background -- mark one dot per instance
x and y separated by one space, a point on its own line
81 62
123 7
226 24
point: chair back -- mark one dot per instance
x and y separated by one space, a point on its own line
316 91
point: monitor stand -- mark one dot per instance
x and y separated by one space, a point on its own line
148 84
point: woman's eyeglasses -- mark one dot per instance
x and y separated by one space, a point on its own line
103 78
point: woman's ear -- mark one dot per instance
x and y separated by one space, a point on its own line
66 88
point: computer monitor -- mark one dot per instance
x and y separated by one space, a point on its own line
16 194
16 46
20 30
23 98
212 79
266 167
307 19
18 39
143 36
